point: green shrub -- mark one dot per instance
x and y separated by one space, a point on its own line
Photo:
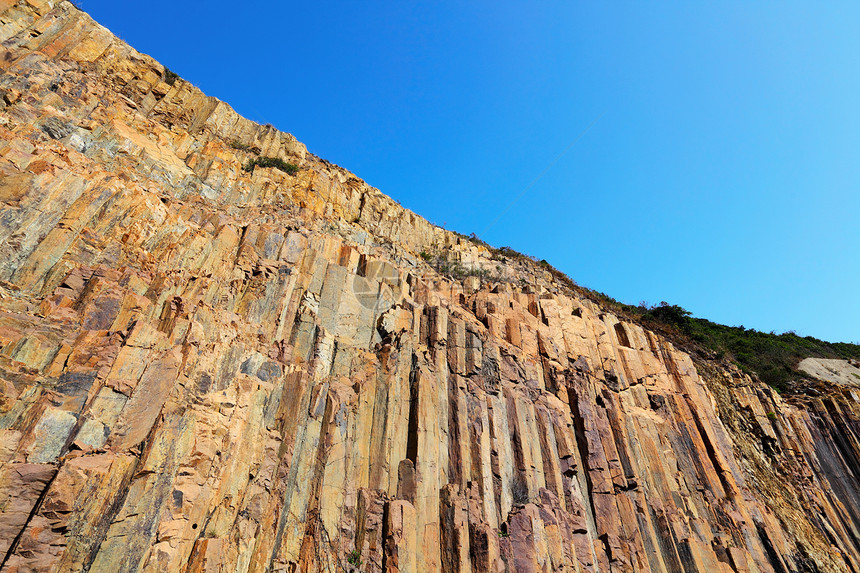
771 357
170 76
276 162
668 313
508 253
354 558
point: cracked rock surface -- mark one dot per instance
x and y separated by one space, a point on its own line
205 369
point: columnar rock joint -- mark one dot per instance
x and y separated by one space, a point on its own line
205 369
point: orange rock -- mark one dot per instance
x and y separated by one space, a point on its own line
205 369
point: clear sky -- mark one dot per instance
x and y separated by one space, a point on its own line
723 173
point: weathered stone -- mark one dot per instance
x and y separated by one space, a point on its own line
204 369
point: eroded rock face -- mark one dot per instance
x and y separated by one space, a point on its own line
835 371
204 369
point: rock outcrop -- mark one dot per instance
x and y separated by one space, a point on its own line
835 371
206 369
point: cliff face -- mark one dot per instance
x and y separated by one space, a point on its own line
206 369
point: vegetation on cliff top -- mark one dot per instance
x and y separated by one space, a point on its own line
771 357
170 76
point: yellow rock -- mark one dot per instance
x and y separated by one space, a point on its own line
204 369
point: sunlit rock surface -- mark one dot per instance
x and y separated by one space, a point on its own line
843 372
204 369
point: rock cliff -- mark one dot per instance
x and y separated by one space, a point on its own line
205 368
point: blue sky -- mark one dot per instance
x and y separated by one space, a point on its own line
723 173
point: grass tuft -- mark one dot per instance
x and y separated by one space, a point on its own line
170 76
276 162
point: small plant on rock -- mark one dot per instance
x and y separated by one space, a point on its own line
276 162
354 558
170 76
